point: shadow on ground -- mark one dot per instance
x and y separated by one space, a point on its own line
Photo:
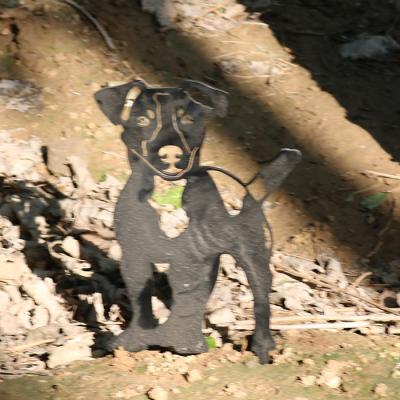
174 55
366 89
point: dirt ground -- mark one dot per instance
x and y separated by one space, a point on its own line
343 115
365 363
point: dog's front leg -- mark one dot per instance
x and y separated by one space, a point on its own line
191 283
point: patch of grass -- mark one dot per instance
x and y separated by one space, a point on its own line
373 201
102 176
211 342
171 196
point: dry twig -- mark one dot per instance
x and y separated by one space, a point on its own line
357 282
336 317
312 278
382 174
25 346
334 325
93 20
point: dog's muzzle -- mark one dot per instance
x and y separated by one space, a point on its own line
170 155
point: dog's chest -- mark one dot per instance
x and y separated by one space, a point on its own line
166 201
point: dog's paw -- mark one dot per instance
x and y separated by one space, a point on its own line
261 348
126 341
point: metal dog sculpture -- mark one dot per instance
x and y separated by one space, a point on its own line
163 131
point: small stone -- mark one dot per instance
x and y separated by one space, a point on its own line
234 357
233 390
394 330
157 393
332 381
193 375
251 364
74 350
396 373
222 317
212 379
381 389
5 32
308 361
71 246
308 380
115 252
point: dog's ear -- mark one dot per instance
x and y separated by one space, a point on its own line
117 101
275 172
208 96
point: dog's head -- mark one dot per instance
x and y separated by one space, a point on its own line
163 127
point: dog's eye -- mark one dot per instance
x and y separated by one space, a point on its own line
186 119
142 121
180 112
150 114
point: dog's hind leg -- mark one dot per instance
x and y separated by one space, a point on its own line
253 258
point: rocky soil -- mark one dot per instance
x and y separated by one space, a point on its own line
60 290
299 75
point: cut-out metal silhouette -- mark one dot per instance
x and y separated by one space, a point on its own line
163 129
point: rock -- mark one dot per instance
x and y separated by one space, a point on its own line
221 317
369 47
381 390
334 272
5 300
13 268
234 11
331 375
394 329
157 393
40 317
174 223
193 375
330 379
308 380
74 350
47 332
40 293
115 252
81 175
22 96
396 371
164 11
295 295
220 297
10 324
71 246
233 390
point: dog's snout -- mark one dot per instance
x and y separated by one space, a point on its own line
170 155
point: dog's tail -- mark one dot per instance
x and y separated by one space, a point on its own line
273 173
276 171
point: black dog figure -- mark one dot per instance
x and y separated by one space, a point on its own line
163 131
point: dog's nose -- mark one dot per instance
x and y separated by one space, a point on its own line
170 155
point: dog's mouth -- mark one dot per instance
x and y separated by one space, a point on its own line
170 157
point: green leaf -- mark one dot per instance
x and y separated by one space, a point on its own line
373 201
211 342
172 196
103 176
